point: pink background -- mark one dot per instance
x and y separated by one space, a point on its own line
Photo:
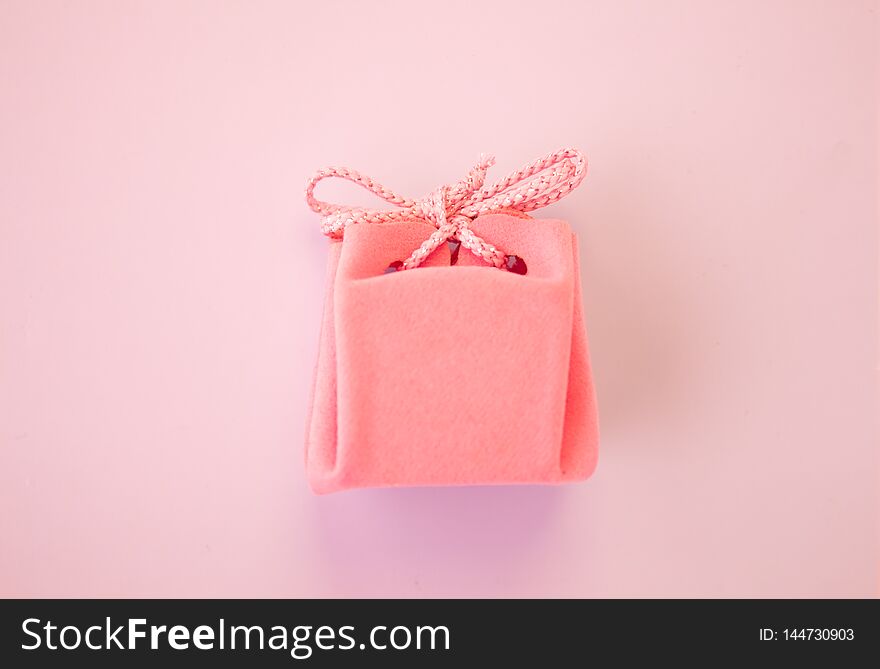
161 282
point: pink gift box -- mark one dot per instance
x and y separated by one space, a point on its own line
452 374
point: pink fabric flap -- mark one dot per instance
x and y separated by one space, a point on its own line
452 375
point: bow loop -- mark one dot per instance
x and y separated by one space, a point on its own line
451 208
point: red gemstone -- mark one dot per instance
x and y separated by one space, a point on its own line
396 266
515 264
454 246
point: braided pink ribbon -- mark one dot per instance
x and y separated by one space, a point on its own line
451 208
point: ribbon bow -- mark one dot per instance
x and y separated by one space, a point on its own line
451 208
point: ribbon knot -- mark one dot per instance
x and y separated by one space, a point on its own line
451 208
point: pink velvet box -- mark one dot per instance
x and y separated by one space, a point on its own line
452 374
